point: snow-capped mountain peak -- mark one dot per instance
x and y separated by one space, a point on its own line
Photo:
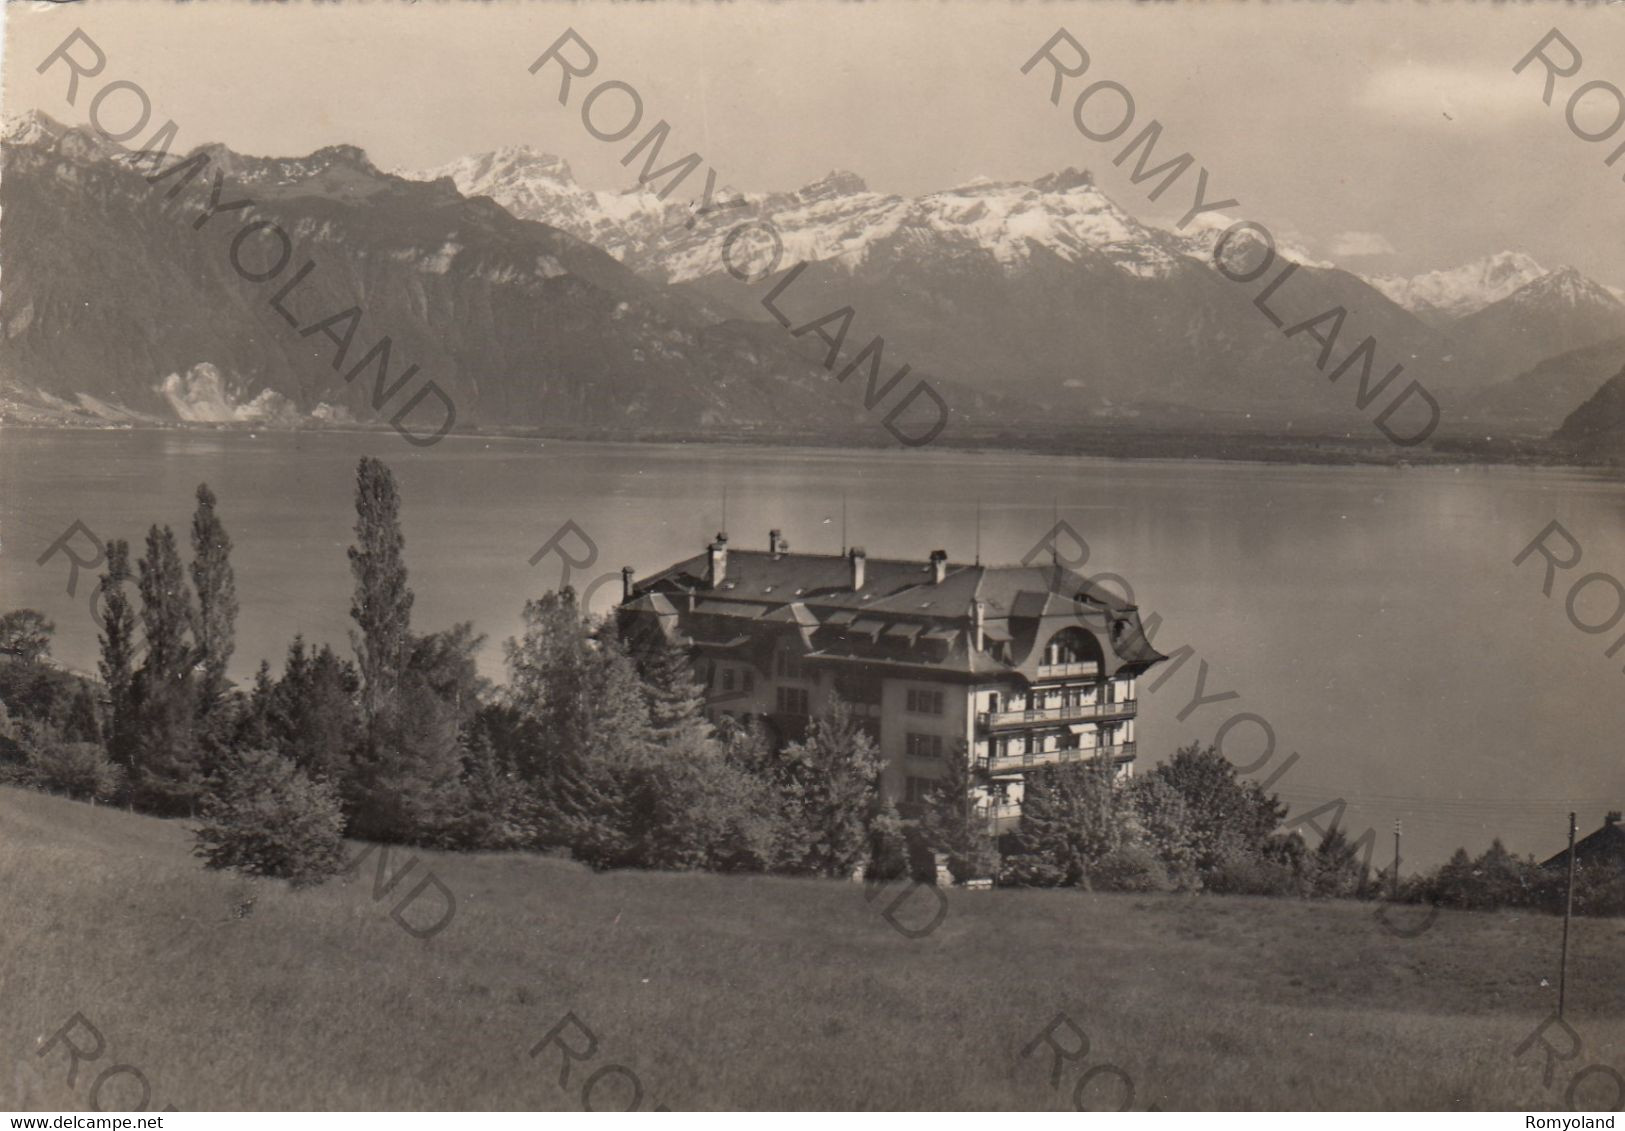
837 182
1460 291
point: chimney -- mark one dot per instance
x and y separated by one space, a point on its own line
939 566
775 542
1613 817
979 622
858 558
717 572
626 583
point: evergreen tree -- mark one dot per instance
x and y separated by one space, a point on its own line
382 605
586 729
676 699
83 723
834 779
264 817
215 618
501 810
310 713
118 648
954 826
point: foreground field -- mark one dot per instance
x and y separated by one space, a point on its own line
718 992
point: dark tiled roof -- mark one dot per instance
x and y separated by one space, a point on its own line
900 616
1605 846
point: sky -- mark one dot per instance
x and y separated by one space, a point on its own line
1390 137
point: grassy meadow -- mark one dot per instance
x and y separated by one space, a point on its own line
749 992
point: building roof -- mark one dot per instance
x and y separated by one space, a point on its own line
1605 846
901 617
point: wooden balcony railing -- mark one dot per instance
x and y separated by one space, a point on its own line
1122 752
1123 709
1068 671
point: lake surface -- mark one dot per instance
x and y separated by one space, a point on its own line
1372 616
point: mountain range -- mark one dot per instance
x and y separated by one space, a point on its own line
532 301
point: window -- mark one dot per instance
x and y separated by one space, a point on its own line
727 679
925 746
918 790
923 702
750 681
791 667
858 689
792 701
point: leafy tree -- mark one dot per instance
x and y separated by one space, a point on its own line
38 691
264 817
1163 825
1223 815
444 664
25 635
214 619
382 605
690 808
1072 818
80 770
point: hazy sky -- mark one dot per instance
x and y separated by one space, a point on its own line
1352 128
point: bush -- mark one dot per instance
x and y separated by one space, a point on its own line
264 817
1247 873
1130 867
692 810
81 770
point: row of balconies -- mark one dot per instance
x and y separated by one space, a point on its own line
1122 709
1122 752
1068 671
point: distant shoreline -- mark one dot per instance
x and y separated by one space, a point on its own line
1149 443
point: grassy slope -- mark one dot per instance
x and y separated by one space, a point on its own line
750 992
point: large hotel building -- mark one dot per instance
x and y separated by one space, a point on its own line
1011 666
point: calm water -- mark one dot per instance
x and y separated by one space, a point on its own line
1374 617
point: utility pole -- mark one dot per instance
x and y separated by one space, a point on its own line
1568 913
1395 884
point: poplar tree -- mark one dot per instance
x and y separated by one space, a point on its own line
382 605
215 618
170 772
117 640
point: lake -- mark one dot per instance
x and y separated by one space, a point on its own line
1372 616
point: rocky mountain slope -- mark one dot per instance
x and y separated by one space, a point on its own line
1558 312
530 300
1596 430
119 298
1538 401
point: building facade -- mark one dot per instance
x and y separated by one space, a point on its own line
1010 667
